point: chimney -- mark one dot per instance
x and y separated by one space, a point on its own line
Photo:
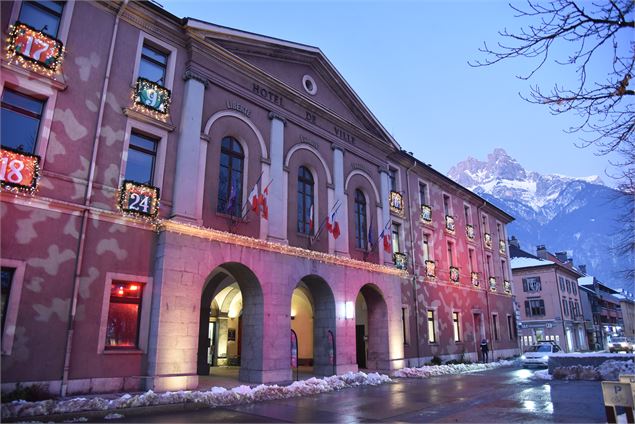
582 269
514 242
541 251
562 257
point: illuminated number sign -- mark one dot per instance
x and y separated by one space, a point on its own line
35 46
139 199
426 213
449 223
396 202
152 96
430 268
507 287
475 281
492 283
469 229
18 171
454 274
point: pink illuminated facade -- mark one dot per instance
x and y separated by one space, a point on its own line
179 196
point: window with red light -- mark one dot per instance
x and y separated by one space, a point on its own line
124 315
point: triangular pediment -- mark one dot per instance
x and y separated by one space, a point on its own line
293 65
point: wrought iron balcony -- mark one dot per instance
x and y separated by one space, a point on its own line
488 240
430 269
449 223
475 279
469 230
400 260
426 213
492 283
454 274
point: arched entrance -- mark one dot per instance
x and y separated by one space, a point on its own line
313 320
231 321
371 329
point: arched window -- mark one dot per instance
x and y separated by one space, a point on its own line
361 237
305 200
230 179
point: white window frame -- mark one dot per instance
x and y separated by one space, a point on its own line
450 211
144 319
162 140
161 45
435 325
427 191
13 304
430 248
456 329
65 21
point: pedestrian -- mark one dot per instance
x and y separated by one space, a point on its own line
484 350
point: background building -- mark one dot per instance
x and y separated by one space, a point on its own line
179 195
606 309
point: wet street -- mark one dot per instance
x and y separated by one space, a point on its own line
503 395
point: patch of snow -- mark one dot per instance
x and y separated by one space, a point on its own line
527 262
453 369
113 416
543 375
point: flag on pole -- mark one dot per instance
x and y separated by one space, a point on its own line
253 196
311 219
231 202
386 238
262 201
332 226
370 234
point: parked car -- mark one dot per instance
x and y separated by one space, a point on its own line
620 344
539 354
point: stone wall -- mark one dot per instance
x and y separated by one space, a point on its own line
556 361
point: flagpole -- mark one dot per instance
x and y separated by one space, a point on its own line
331 212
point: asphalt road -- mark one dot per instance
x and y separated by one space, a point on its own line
504 395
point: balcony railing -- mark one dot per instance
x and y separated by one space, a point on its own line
469 230
475 279
488 240
454 274
492 283
502 247
430 269
400 260
449 223
507 287
426 213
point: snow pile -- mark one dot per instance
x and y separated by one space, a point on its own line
608 370
543 375
216 396
434 370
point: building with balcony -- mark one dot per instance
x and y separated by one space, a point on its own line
546 290
606 310
179 196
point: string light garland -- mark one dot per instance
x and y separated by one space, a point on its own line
152 99
239 240
426 213
475 281
139 201
34 50
430 269
454 274
492 283
19 171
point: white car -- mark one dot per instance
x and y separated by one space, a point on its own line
618 344
538 354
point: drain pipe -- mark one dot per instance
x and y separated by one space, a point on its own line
478 209
86 211
414 267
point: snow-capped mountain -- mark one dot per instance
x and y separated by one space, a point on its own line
578 215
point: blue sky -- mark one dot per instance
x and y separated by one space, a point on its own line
407 60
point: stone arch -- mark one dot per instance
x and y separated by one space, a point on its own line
251 351
378 335
364 175
239 116
301 146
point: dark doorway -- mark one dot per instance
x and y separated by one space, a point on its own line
360 341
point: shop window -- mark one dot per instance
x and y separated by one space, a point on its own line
361 240
456 324
230 179
43 16
21 116
153 64
7 280
306 186
432 333
124 312
142 152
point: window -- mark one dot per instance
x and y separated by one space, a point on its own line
44 16
7 279
470 257
485 223
495 326
488 260
504 269
534 307
432 334
561 279
142 152
404 324
510 327
451 253
568 283
20 119
153 64
468 214
532 284
425 245
230 180
361 241
457 326
565 307
574 287
571 308
447 205
395 237
122 331
423 194
499 231
305 200
392 179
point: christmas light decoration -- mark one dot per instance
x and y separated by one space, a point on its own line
430 269
396 203
138 200
239 240
492 283
488 240
454 274
426 213
34 50
507 287
502 247
400 260
152 99
19 172
449 223
469 230
475 280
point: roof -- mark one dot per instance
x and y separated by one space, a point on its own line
529 262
